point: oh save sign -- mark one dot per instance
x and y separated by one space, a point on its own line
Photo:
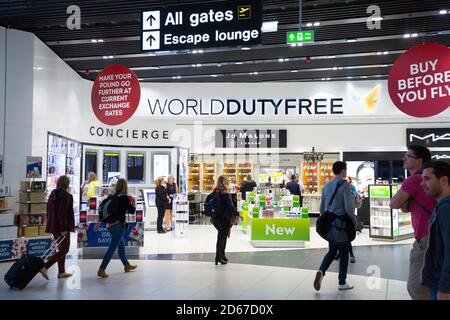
419 81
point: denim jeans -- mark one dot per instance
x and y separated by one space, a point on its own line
116 231
433 294
343 260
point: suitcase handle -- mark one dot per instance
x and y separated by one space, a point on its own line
53 246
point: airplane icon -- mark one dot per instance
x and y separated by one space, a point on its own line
244 12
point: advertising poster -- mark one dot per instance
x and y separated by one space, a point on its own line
272 175
87 237
34 167
35 246
9 249
160 166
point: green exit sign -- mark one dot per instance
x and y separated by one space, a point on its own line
299 36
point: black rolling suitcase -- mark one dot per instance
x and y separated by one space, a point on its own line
25 269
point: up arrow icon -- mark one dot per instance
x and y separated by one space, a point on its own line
291 37
150 40
151 20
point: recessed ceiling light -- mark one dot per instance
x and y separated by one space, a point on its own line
414 35
407 35
379 53
105 57
214 75
443 12
323 79
328 78
352 40
309 24
294 70
385 52
240 62
200 51
245 48
335 68
140 79
100 40
316 24
364 77
377 19
341 68
293 44
37 68
111 57
194 51
349 77
94 40
331 57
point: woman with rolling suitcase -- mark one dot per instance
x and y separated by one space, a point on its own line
60 222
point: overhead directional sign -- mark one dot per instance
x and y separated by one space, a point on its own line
202 26
299 36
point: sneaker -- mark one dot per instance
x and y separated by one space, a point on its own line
352 260
318 280
345 286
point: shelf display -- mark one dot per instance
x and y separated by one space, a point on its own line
180 219
276 220
208 180
32 216
310 175
229 170
243 170
9 243
325 173
387 223
194 177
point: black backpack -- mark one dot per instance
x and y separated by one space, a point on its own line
325 221
109 209
212 205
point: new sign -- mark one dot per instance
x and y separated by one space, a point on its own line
281 229
200 26
433 137
251 139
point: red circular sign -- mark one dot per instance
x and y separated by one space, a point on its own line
419 81
115 94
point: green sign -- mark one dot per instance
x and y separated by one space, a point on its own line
379 192
299 36
281 229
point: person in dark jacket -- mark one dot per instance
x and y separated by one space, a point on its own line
60 221
224 217
294 187
436 269
126 204
162 203
247 186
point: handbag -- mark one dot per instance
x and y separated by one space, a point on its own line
325 220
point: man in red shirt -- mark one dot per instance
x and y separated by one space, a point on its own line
412 198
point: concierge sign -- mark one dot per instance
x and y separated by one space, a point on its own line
115 95
231 23
419 81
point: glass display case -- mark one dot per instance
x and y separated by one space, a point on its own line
208 177
387 223
194 177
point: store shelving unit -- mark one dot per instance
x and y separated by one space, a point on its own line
243 170
310 175
208 178
229 170
194 177
8 230
325 173
32 217
387 223
180 218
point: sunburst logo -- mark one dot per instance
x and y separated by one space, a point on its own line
371 99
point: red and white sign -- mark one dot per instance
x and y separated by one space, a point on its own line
115 94
419 81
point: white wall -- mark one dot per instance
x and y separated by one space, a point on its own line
2 89
19 105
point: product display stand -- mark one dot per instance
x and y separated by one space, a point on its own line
180 218
9 242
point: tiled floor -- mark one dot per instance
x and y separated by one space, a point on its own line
185 280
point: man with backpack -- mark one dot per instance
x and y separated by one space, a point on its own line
337 203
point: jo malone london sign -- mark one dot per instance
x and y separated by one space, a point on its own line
251 138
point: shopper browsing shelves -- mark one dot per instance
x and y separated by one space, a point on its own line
247 186
436 270
117 206
412 198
